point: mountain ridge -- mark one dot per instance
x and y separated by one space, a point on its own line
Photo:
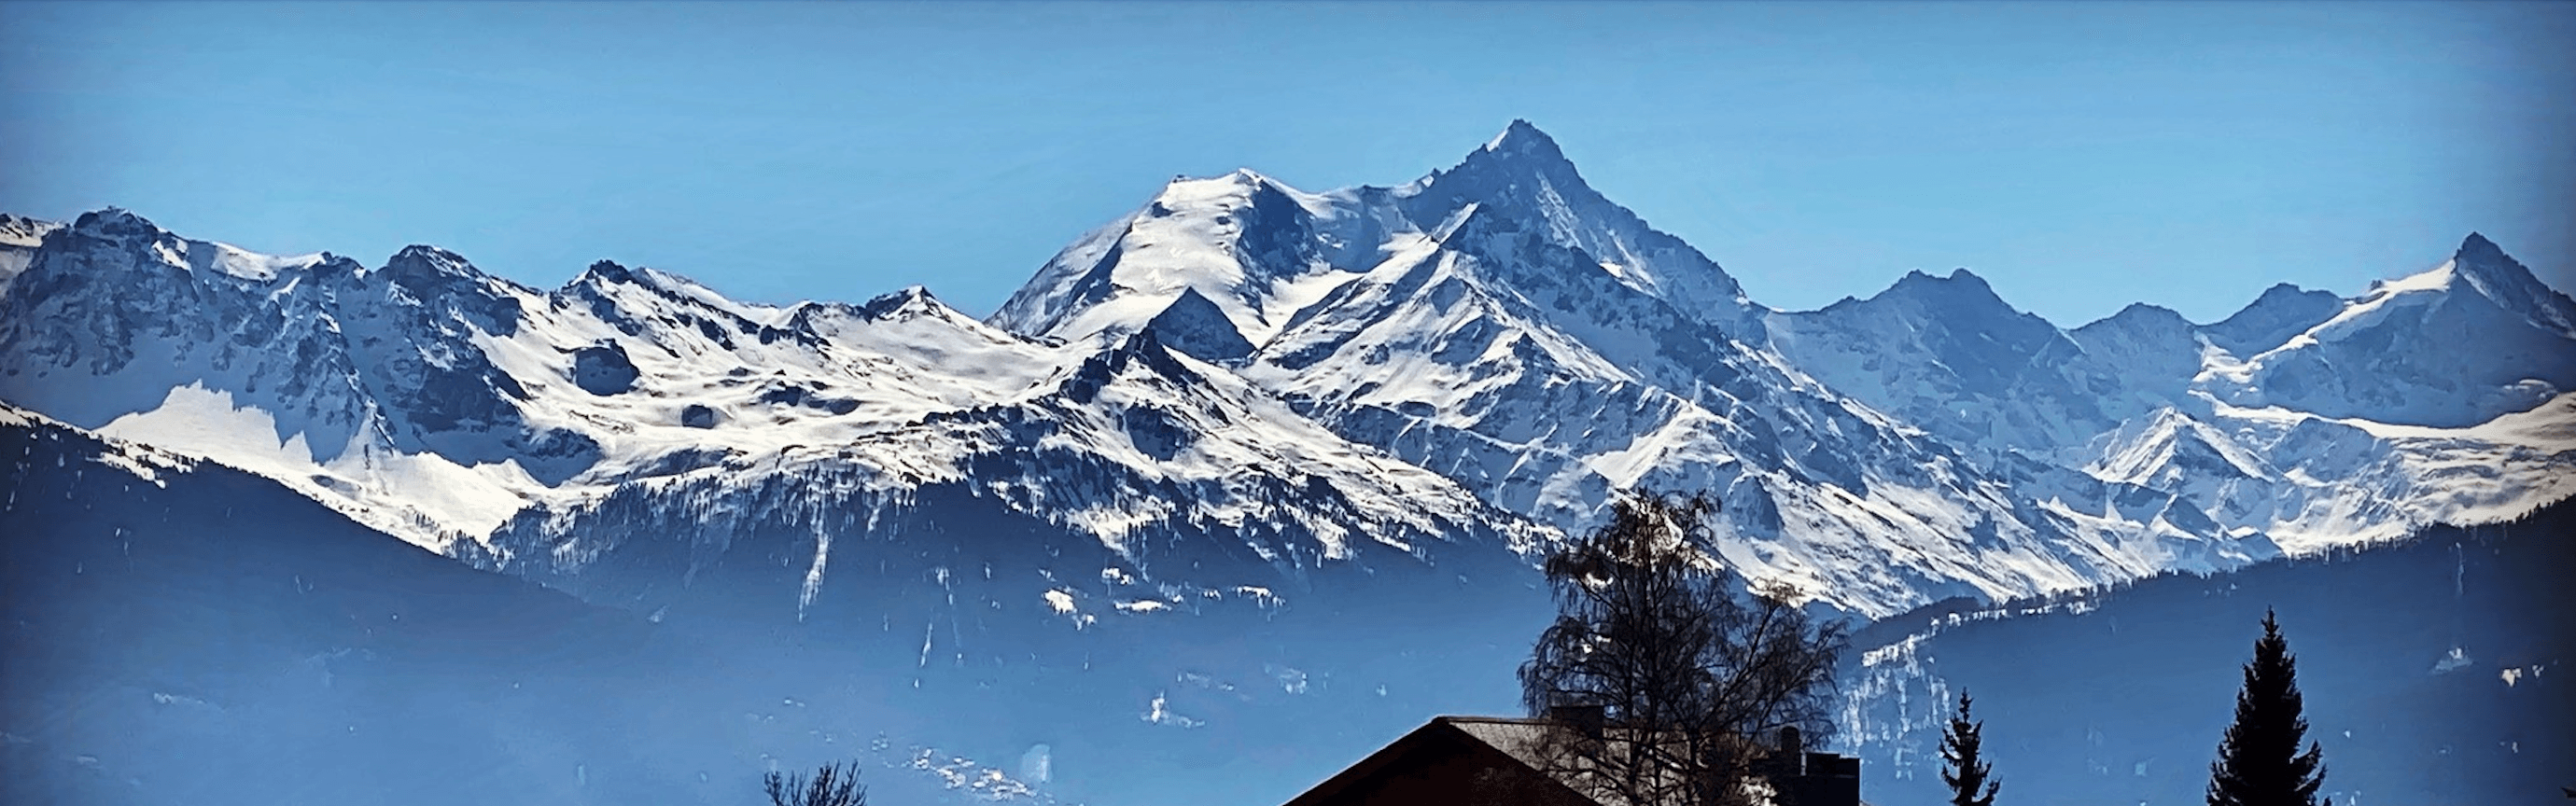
1495 344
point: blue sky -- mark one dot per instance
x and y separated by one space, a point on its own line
2081 156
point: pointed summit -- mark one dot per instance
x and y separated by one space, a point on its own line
912 300
426 260
606 271
2477 245
1520 139
1522 176
2513 286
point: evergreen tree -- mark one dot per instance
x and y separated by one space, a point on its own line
1960 767
2259 763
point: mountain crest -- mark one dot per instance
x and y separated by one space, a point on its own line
1522 140
606 271
912 300
1961 286
419 263
115 222
2499 277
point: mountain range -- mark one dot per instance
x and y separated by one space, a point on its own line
1244 400
1476 358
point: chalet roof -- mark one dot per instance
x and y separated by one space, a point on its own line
1516 741
1501 741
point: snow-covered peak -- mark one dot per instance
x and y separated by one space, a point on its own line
2168 448
2485 267
1523 174
603 272
2283 311
1248 254
1254 248
19 237
115 222
23 232
430 269
644 291
2451 346
1223 190
1520 140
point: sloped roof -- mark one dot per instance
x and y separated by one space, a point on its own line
1517 741
1499 741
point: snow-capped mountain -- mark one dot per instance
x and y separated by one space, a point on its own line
2436 398
1243 369
1513 330
440 403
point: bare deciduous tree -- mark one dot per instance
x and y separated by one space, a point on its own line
832 785
1683 678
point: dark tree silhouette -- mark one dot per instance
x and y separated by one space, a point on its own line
1960 767
832 785
1679 677
2259 763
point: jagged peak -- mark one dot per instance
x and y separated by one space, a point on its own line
1121 350
2478 245
18 230
1521 139
2484 259
423 267
2141 313
1520 152
606 271
1960 280
114 222
2497 276
611 272
430 256
330 263
911 300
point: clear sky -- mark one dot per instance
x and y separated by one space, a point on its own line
2081 156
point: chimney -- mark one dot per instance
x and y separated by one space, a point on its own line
1584 716
1793 751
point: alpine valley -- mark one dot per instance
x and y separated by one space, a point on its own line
1235 489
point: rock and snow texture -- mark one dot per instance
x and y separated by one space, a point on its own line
1476 357
19 237
2440 397
440 404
